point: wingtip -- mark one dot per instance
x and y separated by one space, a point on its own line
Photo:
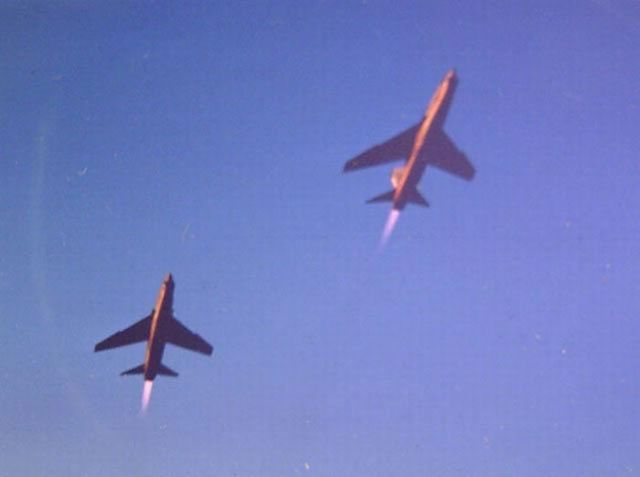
351 165
472 174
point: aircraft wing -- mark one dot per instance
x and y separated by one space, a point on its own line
442 153
180 335
396 148
134 334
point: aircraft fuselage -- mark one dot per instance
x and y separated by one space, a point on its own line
434 118
163 312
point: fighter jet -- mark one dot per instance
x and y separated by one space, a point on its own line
422 144
157 329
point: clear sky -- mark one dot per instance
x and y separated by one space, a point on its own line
496 335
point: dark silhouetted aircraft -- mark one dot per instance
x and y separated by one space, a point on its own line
157 329
423 144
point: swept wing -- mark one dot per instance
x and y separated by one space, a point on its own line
180 335
134 334
440 151
395 149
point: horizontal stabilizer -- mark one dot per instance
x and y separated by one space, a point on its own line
136 370
386 197
416 197
166 371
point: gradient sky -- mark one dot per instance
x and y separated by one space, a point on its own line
496 335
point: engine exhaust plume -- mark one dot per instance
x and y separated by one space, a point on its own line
392 220
146 395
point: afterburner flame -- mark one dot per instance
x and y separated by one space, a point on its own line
394 215
146 395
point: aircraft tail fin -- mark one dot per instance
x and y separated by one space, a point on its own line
415 197
136 370
386 197
166 371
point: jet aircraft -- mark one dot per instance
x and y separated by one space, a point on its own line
157 329
422 144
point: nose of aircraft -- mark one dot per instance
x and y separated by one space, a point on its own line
168 279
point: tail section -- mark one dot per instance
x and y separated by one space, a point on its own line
166 371
162 370
412 196
386 197
136 370
416 197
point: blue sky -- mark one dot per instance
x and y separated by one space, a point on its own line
497 334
